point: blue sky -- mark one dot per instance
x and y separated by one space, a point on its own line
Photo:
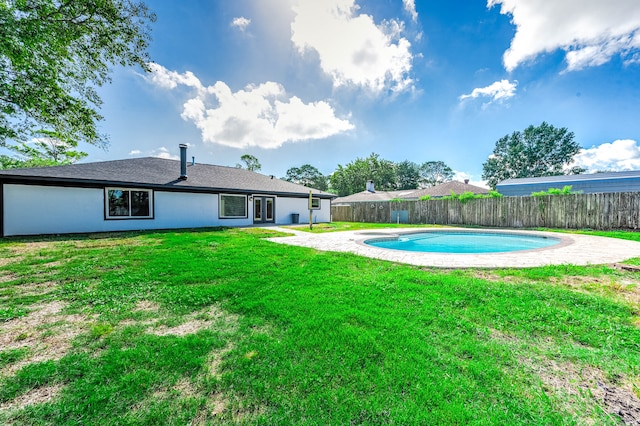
325 82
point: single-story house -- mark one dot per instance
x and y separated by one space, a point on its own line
149 193
438 191
588 183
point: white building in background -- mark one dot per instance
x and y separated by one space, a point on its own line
587 183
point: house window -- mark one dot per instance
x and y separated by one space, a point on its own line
315 203
233 206
124 203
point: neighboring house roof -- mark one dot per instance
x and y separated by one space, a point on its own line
445 189
628 181
574 178
441 190
364 196
159 173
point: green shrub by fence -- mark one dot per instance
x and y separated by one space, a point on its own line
574 211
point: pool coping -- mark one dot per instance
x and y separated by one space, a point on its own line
575 249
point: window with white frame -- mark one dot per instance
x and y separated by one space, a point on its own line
233 206
315 203
126 203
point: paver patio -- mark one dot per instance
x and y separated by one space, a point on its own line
575 249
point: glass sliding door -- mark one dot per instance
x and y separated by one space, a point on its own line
257 209
264 210
269 213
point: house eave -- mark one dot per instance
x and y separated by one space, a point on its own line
171 186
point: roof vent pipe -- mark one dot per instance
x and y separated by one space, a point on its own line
183 161
370 186
466 181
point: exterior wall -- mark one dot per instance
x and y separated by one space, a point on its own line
591 186
33 210
286 206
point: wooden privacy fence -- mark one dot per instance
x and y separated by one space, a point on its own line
577 211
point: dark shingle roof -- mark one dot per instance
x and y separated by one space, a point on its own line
160 173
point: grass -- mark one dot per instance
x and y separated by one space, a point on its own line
221 326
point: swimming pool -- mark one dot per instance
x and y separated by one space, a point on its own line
463 242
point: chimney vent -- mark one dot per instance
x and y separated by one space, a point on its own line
370 186
183 161
466 181
193 161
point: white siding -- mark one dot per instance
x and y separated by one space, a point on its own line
286 206
30 210
184 210
33 209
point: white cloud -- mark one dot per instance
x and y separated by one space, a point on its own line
497 91
263 115
241 23
591 32
352 49
619 155
462 176
163 152
51 141
410 7
160 76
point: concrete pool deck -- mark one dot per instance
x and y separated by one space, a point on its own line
575 249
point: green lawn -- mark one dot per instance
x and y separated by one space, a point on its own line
221 326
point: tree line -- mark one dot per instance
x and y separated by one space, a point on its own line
537 151
387 175
352 178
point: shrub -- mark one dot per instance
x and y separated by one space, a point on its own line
466 197
554 191
453 196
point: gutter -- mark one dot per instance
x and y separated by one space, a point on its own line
91 183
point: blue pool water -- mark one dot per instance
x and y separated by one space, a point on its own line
463 242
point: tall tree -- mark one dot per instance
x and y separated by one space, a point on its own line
250 163
47 150
53 54
308 176
537 151
408 175
354 176
434 173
